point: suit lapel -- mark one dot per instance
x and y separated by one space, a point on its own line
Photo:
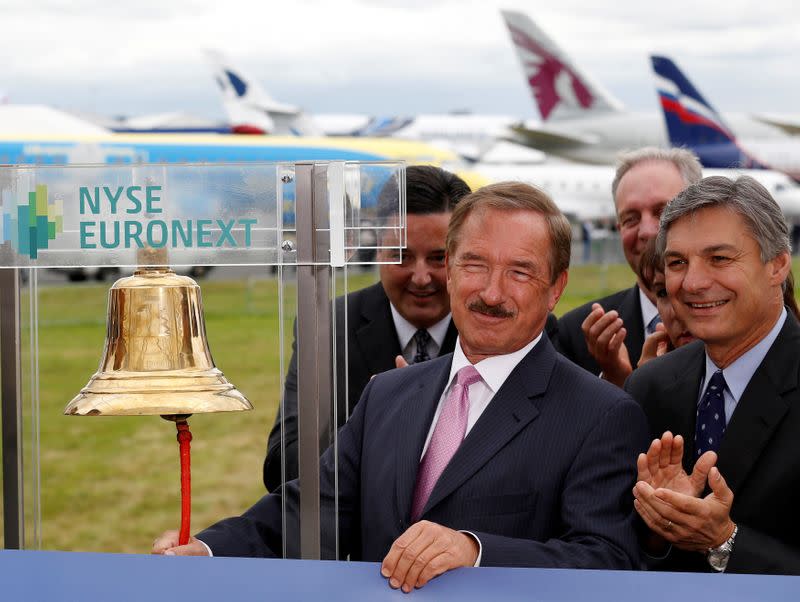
761 408
630 310
681 396
375 334
449 343
511 409
416 414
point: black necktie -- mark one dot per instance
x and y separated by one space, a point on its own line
711 416
422 338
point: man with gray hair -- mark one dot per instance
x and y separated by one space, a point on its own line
607 334
720 481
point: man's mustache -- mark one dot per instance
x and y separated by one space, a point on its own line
495 311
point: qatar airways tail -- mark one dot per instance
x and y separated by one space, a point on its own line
561 91
580 120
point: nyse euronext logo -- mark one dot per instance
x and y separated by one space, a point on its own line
33 225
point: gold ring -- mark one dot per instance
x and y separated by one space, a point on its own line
668 526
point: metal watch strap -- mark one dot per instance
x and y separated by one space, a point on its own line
718 557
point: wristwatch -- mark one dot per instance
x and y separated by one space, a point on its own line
718 557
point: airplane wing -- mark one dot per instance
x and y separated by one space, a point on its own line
788 123
548 139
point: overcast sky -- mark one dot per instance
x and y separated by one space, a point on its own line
386 56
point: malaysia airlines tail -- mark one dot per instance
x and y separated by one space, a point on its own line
693 123
561 91
250 108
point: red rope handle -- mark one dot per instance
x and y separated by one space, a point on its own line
184 439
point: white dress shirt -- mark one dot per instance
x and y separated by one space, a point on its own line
493 370
405 335
649 311
738 374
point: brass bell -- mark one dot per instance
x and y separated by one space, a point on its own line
156 358
157 361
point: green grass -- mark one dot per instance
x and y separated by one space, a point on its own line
112 484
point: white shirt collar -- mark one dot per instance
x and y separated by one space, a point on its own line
493 370
738 374
649 311
405 329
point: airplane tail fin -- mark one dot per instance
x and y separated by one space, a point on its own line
559 89
250 108
693 123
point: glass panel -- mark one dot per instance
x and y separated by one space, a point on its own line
112 484
92 217
31 433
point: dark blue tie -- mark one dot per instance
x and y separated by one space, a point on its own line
422 338
651 326
711 416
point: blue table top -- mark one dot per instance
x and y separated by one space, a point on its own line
50 576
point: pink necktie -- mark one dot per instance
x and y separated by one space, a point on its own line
447 436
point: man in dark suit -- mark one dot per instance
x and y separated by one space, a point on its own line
502 453
720 481
606 335
385 320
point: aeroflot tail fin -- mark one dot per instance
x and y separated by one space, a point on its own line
559 89
250 108
693 123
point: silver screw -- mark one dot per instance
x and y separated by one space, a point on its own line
287 245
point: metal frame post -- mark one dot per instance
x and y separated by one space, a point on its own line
11 400
314 344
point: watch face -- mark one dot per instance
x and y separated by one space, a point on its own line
717 559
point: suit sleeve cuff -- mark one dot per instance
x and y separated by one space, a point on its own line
662 556
210 553
480 546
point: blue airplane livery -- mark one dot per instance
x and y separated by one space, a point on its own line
694 124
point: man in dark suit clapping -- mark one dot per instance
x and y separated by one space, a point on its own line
720 481
606 335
